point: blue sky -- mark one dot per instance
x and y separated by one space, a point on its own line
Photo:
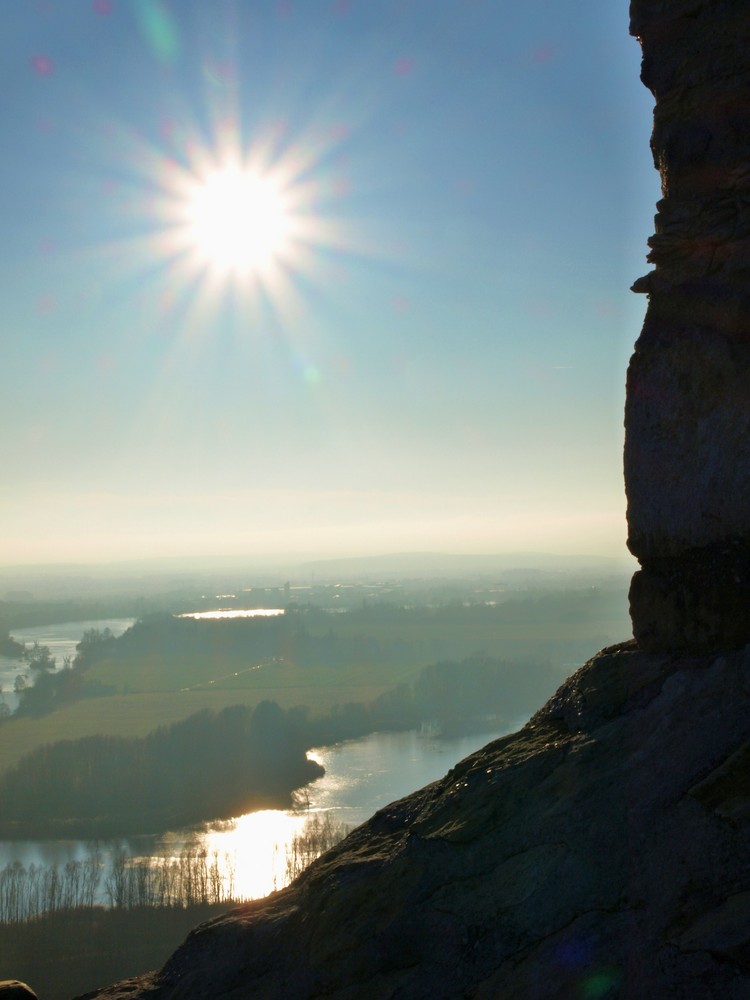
433 358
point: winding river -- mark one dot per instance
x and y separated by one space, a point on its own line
361 776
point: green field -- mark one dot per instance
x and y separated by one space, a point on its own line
319 660
138 714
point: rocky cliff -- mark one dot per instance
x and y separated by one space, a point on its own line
600 852
687 449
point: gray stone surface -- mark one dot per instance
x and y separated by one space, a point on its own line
687 450
602 851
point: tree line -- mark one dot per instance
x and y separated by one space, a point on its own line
221 764
55 935
210 765
8 645
306 637
192 878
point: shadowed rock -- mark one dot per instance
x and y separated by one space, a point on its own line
601 851
12 989
687 448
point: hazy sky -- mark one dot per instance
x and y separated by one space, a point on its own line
317 276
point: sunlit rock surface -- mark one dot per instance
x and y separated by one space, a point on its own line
603 851
687 451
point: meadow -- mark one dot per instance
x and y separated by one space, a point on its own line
176 667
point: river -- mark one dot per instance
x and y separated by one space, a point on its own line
361 776
61 640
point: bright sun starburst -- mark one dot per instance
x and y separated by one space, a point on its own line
237 228
237 220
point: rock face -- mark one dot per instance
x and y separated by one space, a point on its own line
687 451
600 852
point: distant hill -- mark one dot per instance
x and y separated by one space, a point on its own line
186 575
445 564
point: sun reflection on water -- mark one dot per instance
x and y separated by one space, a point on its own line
252 850
234 613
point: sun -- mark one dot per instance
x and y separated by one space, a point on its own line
238 220
237 224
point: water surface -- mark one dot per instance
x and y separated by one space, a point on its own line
61 640
361 777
